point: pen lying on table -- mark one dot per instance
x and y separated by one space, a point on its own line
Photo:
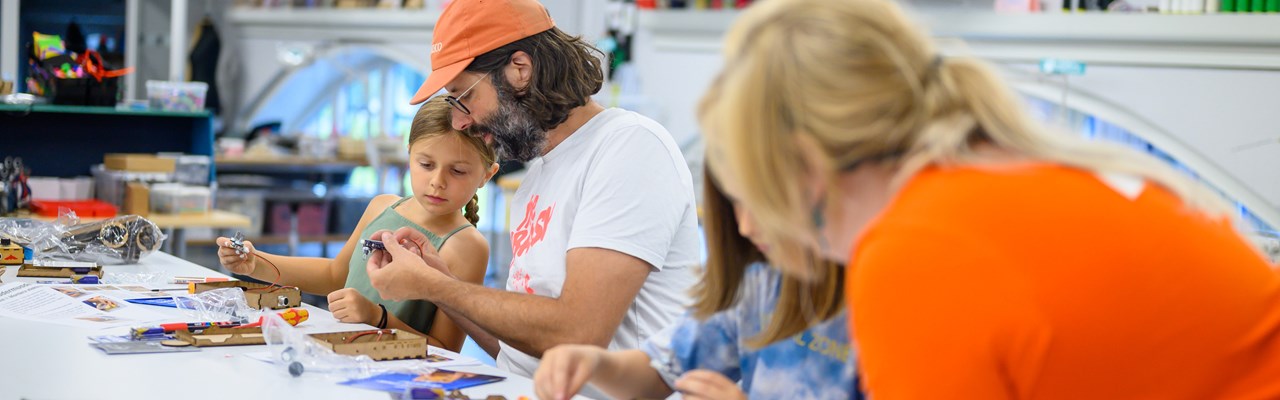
292 316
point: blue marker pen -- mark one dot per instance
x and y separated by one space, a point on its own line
147 333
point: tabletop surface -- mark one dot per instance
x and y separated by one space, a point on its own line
48 361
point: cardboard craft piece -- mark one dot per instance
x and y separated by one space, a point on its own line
256 295
53 270
216 336
399 345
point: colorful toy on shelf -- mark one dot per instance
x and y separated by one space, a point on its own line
48 46
177 96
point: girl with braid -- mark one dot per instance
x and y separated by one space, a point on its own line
446 167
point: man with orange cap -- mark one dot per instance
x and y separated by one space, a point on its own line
606 230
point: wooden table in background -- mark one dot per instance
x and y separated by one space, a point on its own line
175 225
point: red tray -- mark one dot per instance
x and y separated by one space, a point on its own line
83 208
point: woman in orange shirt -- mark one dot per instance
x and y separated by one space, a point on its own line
988 257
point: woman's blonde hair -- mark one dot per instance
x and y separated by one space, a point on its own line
863 83
801 303
433 120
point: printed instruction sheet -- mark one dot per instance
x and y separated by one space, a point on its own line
72 305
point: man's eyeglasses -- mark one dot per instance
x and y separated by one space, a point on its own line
456 102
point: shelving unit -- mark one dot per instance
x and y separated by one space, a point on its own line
65 141
380 25
1234 41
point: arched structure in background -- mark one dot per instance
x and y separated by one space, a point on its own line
1254 207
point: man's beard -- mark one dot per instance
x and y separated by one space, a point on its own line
516 133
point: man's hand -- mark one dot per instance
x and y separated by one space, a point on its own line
402 274
348 305
417 243
704 384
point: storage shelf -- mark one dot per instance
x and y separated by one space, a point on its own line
1231 41
1231 29
100 110
278 239
378 25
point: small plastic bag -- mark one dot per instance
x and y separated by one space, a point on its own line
225 304
294 352
120 240
131 278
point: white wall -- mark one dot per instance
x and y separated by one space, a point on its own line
1210 111
674 81
9 43
154 39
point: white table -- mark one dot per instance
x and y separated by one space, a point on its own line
45 361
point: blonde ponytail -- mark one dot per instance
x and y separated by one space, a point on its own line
864 83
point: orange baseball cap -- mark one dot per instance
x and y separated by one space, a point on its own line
469 28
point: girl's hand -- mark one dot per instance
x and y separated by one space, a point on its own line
348 305
704 384
242 264
565 369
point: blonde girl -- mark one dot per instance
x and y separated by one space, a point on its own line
446 167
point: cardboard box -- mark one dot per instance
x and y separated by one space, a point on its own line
138 163
257 295
392 344
137 199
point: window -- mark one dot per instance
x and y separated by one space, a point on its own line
371 105
1096 128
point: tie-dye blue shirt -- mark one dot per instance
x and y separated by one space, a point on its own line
815 364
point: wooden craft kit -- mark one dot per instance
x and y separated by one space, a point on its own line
59 269
256 295
217 336
10 253
378 344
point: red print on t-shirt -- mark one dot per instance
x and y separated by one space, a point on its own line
532 229
519 278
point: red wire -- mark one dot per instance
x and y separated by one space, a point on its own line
274 286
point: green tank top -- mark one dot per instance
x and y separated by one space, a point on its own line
416 313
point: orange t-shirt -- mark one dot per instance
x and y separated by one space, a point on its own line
1047 282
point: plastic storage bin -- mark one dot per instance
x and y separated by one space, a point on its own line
176 96
190 169
179 199
249 202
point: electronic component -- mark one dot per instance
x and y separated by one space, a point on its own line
237 243
369 246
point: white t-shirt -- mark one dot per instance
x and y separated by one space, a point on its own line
619 183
